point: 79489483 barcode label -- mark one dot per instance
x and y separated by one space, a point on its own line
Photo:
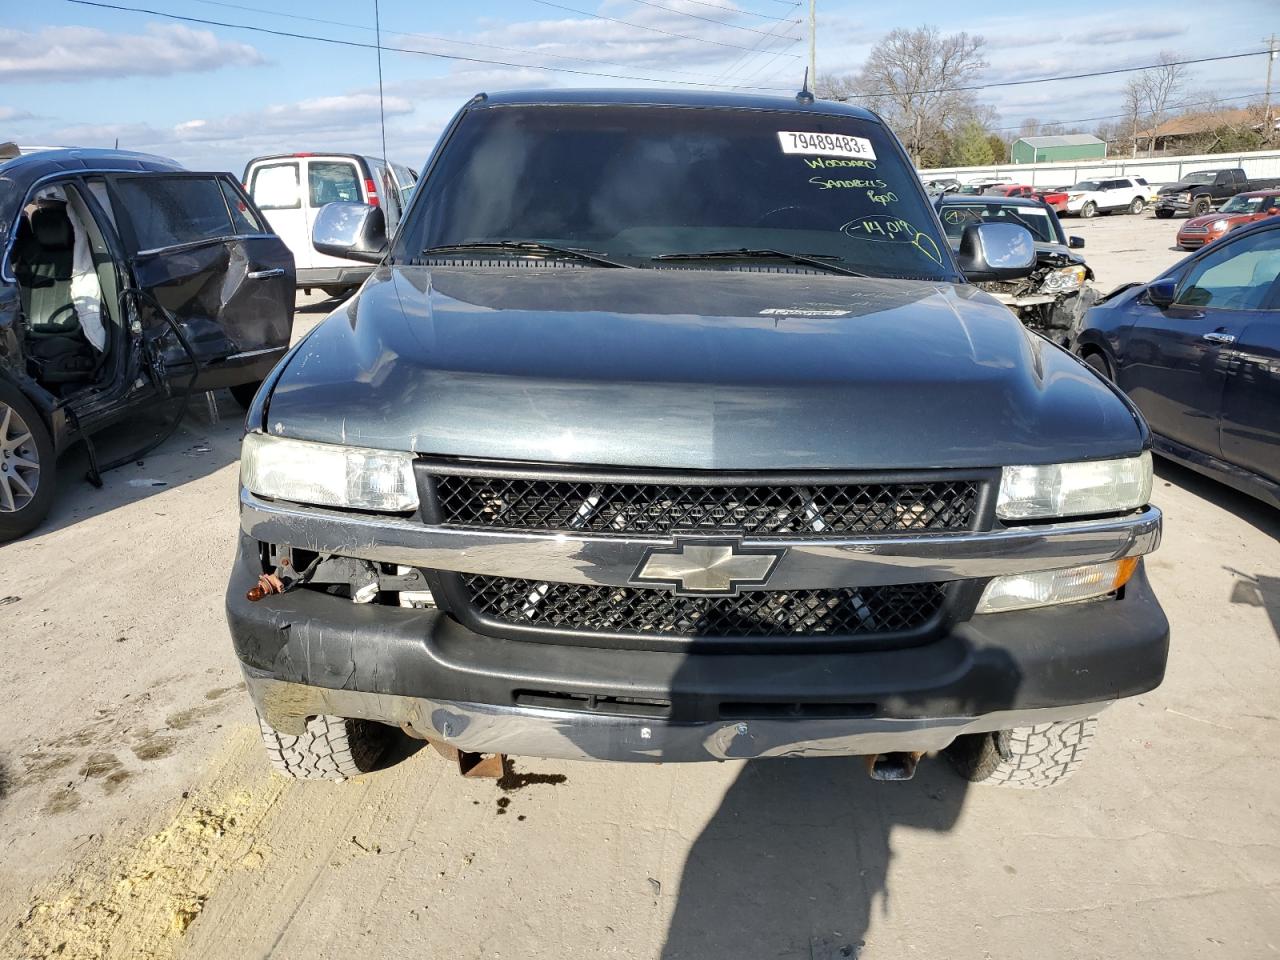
826 144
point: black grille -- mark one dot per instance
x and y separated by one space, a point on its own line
820 509
765 613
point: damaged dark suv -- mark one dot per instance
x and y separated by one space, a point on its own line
125 280
669 428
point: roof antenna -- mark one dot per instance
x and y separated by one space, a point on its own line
806 93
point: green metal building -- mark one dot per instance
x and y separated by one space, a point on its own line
1067 146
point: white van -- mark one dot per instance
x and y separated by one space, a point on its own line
276 185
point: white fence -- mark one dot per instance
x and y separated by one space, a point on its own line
1157 170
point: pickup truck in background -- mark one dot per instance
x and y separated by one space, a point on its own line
1198 193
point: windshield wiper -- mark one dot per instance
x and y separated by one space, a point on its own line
525 246
820 260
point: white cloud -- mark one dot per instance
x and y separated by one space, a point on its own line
13 115
306 117
80 53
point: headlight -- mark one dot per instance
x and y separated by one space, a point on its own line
1063 280
1073 489
1023 590
328 474
1184 196
1218 225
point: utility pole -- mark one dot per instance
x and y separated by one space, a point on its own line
1268 129
813 47
382 113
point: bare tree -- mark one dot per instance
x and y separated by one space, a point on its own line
1030 127
911 79
1153 92
1134 105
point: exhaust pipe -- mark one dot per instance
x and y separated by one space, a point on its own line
893 766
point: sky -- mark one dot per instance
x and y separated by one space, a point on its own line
214 96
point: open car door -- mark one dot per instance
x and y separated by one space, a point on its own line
200 251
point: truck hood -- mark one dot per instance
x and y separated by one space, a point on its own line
695 369
1181 188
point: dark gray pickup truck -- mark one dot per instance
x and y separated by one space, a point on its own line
669 428
1198 193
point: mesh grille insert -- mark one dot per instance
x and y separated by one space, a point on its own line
520 503
630 610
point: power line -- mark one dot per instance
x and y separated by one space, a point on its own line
696 16
427 36
627 23
371 46
758 47
749 13
1068 76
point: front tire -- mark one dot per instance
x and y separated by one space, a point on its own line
1137 206
1030 758
1163 214
1200 207
1089 210
26 465
332 748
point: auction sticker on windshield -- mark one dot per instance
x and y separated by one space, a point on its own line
825 144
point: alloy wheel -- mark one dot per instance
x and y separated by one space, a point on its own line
19 461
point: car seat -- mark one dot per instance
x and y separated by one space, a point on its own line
43 254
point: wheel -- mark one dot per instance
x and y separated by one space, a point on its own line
1137 206
1028 757
1163 214
1099 363
26 464
1200 207
1089 210
243 393
333 748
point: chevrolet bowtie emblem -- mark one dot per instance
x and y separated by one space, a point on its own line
711 567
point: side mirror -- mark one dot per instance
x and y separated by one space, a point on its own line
1075 243
1271 212
1161 292
996 251
353 231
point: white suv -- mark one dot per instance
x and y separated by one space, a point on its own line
1090 197
291 188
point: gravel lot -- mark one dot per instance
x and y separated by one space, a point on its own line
137 817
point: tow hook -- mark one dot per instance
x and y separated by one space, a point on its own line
893 766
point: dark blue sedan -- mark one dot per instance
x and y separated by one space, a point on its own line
1198 351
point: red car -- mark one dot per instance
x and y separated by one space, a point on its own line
1010 190
1241 209
1054 198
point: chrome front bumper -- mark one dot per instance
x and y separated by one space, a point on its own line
807 563
565 735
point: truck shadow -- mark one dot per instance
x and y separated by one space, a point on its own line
796 860
1258 591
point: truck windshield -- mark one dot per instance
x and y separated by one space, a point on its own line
1206 177
639 182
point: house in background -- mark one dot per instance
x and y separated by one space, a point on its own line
1190 132
1066 146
